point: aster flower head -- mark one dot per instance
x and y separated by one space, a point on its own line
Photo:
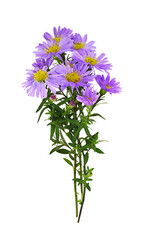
89 96
50 48
58 34
91 59
36 82
74 76
81 43
109 85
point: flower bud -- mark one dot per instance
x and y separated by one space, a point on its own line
53 97
72 103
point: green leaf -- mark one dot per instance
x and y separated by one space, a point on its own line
87 131
87 186
69 135
85 147
52 131
57 133
41 105
56 149
41 113
63 151
57 108
64 101
72 158
57 59
77 133
78 180
86 157
68 161
63 139
98 150
97 114
75 122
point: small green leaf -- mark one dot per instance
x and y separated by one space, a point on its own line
72 158
41 113
52 131
63 151
57 133
56 149
85 147
64 101
68 161
77 132
41 105
86 157
98 150
87 186
87 131
97 114
63 139
56 107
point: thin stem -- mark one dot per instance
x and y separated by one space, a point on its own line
82 205
75 170
75 184
84 169
80 161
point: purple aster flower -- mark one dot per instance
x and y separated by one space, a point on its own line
108 85
50 48
36 82
89 96
74 76
41 62
81 43
90 58
58 34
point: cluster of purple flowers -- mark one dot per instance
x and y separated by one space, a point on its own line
78 71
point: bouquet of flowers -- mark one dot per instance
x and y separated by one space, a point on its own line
65 75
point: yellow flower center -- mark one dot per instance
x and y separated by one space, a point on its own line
107 86
71 65
53 48
40 76
73 77
92 61
79 45
89 98
57 39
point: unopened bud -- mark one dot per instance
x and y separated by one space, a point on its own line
72 103
53 97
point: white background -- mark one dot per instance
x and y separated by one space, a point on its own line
36 189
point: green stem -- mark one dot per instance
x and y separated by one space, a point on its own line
75 184
80 161
84 169
75 170
82 205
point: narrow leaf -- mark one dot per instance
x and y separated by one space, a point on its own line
57 133
52 131
97 114
56 149
86 157
41 114
63 151
41 105
98 150
68 161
